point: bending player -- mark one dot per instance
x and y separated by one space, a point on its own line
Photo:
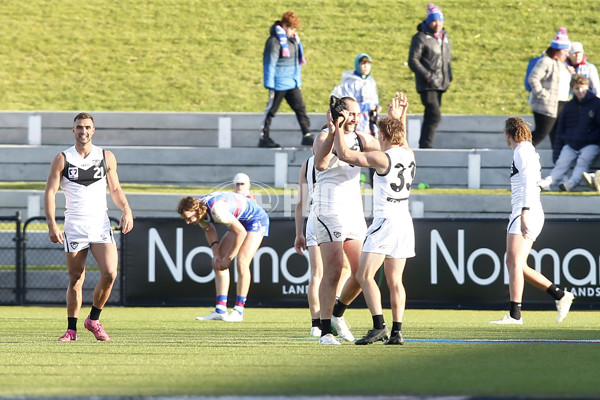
248 223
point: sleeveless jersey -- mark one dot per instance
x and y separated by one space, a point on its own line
310 178
392 189
524 175
337 189
84 183
240 206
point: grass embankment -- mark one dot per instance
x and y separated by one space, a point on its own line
206 55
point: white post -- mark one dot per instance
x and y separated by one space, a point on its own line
224 132
34 130
417 209
33 206
414 132
474 171
281 169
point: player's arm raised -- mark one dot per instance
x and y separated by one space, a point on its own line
372 159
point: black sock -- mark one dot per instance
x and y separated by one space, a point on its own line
95 313
396 327
339 308
325 327
316 322
515 310
378 321
72 323
556 292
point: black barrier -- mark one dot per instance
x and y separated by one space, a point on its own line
459 264
11 273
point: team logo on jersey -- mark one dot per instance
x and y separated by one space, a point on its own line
74 245
73 173
97 162
337 234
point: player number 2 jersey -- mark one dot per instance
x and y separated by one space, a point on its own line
84 183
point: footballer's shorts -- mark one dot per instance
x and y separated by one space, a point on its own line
81 232
394 237
535 223
339 228
258 223
310 235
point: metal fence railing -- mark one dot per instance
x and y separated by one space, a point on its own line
33 270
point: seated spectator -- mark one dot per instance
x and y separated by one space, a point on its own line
593 179
577 137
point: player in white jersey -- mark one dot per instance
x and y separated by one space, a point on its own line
339 220
302 242
525 224
83 172
390 239
309 242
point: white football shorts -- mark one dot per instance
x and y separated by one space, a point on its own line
394 237
535 223
311 236
79 233
338 228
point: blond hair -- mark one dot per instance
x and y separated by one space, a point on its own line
392 129
518 129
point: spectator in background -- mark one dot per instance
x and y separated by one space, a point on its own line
361 86
429 58
241 185
577 137
578 60
83 171
282 61
550 81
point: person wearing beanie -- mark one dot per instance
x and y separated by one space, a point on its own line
429 58
283 58
550 81
361 86
578 60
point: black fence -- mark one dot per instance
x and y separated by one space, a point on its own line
33 270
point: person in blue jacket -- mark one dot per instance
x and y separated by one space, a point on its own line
282 61
577 137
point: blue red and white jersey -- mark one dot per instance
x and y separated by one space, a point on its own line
221 205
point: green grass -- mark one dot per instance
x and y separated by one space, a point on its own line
173 189
164 351
206 55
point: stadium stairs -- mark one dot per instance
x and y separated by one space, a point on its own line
207 149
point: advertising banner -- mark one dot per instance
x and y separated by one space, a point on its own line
459 264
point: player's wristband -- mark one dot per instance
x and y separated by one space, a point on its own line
213 243
524 208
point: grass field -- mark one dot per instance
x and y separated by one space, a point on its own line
164 351
206 55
